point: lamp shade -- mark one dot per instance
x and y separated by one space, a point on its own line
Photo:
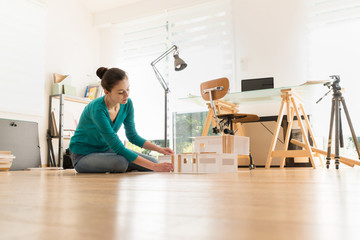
179 63
58 78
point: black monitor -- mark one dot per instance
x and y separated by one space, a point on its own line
257 83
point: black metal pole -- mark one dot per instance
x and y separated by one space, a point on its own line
49 162
166 92
337 133
61 131
328 156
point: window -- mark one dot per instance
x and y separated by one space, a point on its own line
204 36
136 45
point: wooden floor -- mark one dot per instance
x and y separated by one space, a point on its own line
299 203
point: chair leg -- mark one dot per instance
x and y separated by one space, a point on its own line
252 165
207 122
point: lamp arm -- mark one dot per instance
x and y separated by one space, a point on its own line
174 47
160 78
157 73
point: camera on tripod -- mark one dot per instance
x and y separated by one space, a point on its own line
335 84
338 102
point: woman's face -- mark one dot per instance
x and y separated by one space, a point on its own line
120 92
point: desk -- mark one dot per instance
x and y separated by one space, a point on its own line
292 100
308 92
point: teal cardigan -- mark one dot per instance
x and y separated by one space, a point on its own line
97 133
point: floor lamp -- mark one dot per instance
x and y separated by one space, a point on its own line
179 65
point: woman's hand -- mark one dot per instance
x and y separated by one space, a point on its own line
150 146
166 151
157 167
163 167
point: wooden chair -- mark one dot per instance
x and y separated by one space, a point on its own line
225 116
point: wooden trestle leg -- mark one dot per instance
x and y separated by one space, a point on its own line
293 106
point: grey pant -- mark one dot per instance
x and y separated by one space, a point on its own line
107 161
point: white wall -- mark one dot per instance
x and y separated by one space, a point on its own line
270 40
72 47
72 43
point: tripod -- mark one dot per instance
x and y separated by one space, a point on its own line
337 101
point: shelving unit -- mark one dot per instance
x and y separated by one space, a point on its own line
51 162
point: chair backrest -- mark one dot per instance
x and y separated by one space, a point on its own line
216 94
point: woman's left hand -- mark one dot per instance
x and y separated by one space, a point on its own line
166 151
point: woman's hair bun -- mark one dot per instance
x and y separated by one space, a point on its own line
101 71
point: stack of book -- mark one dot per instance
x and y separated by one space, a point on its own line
6 159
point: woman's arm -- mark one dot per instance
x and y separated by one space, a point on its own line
152 147
157 167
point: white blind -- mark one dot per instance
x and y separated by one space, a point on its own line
204 37
22 44
136 45
325 12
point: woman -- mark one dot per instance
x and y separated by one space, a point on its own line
96 147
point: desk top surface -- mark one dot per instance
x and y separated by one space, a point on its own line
309 92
